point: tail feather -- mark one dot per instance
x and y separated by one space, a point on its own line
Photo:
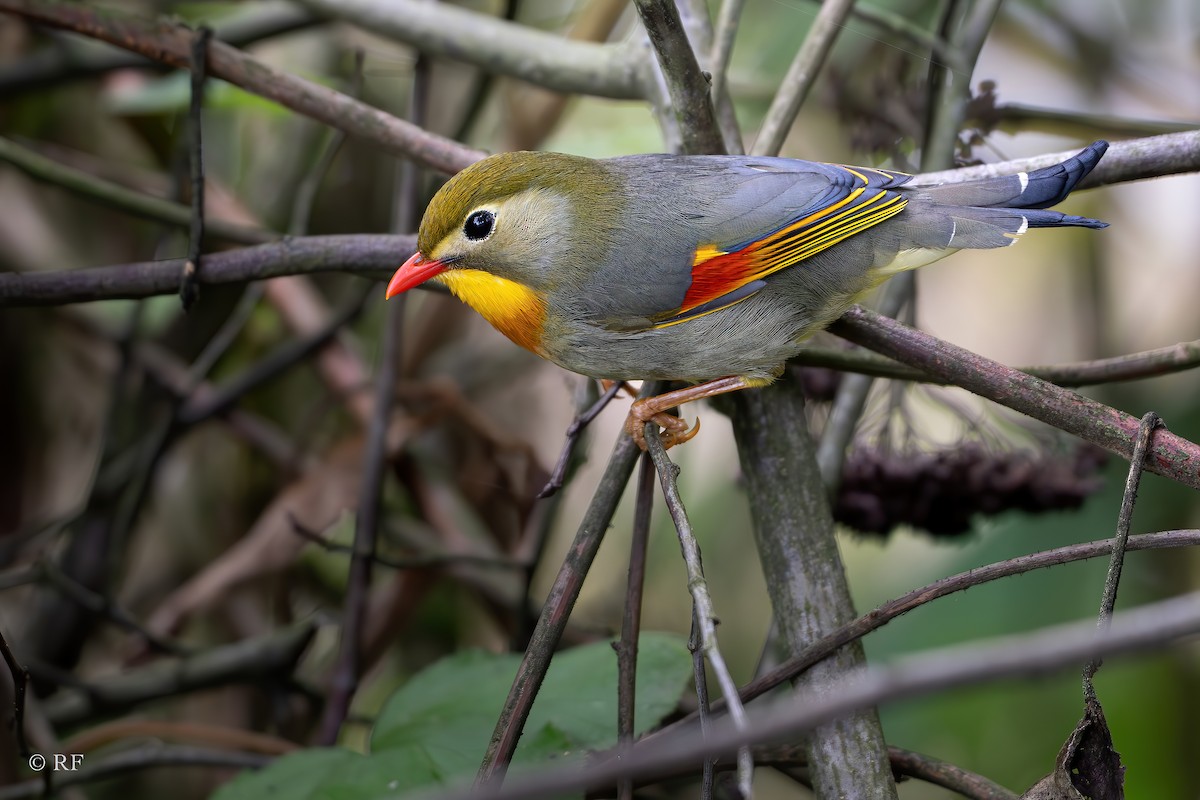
1054 219
1040 188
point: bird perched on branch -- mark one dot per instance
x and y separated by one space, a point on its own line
707 269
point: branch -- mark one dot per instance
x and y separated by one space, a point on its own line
806 580
114 195
349 667
1172 456
374 256
496 45
704 615
1132 160
50 66
241 662
1116 562
1129 367
688 88
631 620
801 75
171 44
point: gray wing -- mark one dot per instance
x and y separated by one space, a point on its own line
708 205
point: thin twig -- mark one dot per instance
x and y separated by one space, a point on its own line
107 607
344 682
74 60
697 23
947 775
913 31
708 772
424 561
225 337
1172 456
306 192
702 606
113 195
849 402
194 733
1021 118
903 762
376 455
188 289
1112 579
631 620
170 44
801 75
496 45
950 90
20 682
246 661
723 38
574 431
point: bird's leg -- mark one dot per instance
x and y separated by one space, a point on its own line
676 430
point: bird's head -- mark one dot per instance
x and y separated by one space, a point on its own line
510 229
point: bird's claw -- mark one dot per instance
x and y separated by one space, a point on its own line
675 430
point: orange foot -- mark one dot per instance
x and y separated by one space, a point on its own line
676 430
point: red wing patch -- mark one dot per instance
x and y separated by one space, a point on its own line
717 273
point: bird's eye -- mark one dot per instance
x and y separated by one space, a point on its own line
479 225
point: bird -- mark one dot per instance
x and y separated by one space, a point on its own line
711 270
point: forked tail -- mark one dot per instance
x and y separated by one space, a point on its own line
992 212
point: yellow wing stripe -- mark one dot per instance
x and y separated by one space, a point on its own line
798 242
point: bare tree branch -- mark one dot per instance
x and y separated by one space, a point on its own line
1129 367
496 45
50 66
170 44
116 196
1131 160
689 89
370 255
801 75
253 659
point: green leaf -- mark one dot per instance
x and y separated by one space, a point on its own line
450 708
296 776
334 774
379 775
435 729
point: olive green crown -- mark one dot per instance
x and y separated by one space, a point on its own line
498 177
